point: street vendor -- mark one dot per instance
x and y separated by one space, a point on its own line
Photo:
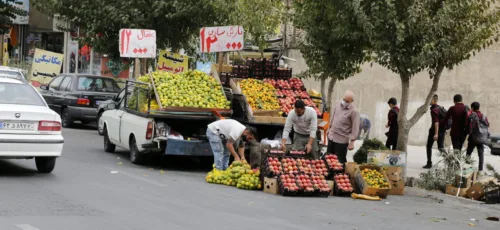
304 121
222 135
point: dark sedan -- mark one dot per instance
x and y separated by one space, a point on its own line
76 96
494 144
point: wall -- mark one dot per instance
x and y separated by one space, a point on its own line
476 79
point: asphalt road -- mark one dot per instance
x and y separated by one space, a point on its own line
82 193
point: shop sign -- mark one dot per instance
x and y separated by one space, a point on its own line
115 67
23 5
46 65
221 39
32 38
137 43
172 62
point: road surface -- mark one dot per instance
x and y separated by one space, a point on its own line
91 189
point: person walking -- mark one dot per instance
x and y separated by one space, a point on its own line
477 126
392 124
304 121
437 130
457 116
222 135
344 127
364 127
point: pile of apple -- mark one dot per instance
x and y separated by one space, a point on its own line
304 182
292 93
274 165
305 166
319 167
319 182
343 182
333 162
289 166
288 183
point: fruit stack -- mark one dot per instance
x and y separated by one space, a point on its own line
320 184
319 168
374 178
260 95
305 166
289 91
305 185
287 185
273 166
239 174
289 165
343 185
333 163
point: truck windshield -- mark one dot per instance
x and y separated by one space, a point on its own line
97 84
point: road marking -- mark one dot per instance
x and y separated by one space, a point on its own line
26 227
140 178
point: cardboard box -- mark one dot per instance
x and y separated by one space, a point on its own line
365 189
476 191
350 168
386 158
452 190
331 185
271 185
394 173
465 178
398 188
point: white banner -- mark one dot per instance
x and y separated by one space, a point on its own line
221 39
137 43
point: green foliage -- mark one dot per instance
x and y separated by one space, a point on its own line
9 12
443 173
334 45
361 155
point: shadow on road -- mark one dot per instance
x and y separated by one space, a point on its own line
10 169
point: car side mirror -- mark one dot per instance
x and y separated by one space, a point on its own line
111 106
44 87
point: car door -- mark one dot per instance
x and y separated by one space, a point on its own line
114 123
60 95
48 94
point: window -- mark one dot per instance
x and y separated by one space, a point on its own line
54 85
11 74
20 94
66 84
98 84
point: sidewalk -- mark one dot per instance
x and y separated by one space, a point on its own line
416 158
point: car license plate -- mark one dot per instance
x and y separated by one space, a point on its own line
17 126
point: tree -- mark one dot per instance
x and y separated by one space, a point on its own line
334 46
412 36
8 12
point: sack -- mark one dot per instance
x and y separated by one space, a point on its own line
479 129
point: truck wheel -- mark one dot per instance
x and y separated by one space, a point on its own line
45 164
100 129
108 146
135 155
66 119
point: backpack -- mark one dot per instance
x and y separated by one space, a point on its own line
442 113
479 132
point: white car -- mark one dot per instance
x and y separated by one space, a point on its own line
28 127
14 73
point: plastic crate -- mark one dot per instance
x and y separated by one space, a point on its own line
339 192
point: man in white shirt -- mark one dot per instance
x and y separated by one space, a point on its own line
304 121
222 135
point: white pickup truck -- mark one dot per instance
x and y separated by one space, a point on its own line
150 131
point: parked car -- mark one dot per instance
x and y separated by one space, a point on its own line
103 106
76 96
14 73
494 144
28 127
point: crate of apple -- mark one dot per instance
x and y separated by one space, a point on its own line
305 184
273 166
289 165
275 153
332 161
304 166
343 185
320 184
319 167
287 185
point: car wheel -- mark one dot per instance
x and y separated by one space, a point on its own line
135 155
99 125
45 164
66 119
108 146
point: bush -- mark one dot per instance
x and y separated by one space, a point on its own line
362 153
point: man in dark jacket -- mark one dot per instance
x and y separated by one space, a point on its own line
392 124
457 114
437 130
473 117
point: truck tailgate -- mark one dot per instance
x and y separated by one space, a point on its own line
188 147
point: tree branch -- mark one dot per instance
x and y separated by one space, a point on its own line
423 108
